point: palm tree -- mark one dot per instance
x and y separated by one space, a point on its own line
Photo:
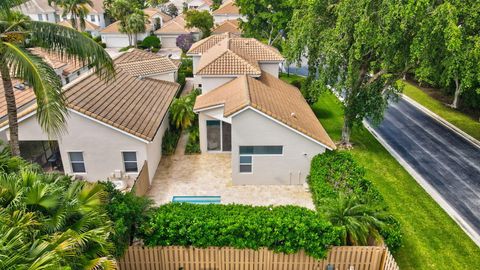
52 222
134 24
181 110
77 9
361 222
16 62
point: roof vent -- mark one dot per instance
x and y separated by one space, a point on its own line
19 86
294 115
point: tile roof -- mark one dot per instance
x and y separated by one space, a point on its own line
228 26
114 28
271 96
89 26
56 60
22 97
36 7
176 26
203 45
141 63
233 56
150 12
229 7
132 104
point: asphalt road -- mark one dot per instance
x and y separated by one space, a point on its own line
448 162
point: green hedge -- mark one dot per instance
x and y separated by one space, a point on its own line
286 229
170 140
335 172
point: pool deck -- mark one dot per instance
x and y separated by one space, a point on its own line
210 175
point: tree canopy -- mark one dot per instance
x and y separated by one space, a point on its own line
202 20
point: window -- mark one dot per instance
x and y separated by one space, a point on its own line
261 150
92 18
46 17
67 80
40 17
219 136
245 164
130 162
77 162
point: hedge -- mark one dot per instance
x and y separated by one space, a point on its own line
286 229
335 172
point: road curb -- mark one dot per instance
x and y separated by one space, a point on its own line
437 197
442 121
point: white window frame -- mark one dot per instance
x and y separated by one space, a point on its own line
240 164
123 161
254 155
221 137
92 18
40 17
71 162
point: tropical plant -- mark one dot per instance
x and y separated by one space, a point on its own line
77 9
361 222
184 42
134 24
151 42
16 62
57 222
172 10
202 20
181 111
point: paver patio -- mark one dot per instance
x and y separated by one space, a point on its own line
210 174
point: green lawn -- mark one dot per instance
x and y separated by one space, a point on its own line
460 120
432 240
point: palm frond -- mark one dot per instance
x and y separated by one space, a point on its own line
8 4
72 44
51 110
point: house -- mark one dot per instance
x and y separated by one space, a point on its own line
228 26
200 5
227 11
113 128
90 27
221 58
169 32
40 10
113 38
266 125
67 69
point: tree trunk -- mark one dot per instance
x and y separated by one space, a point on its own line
346 131
458 89
11 109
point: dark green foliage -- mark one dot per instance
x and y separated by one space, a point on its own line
170 140
124 49
193 143
336 173
151 42
287 229
126 211
185 70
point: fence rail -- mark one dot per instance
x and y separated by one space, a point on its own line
142 183
226 258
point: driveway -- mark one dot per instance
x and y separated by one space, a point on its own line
446 161
210 174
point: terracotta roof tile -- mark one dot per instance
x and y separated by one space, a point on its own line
23 98
56 60
141 63
176 26
203 45
228 26
229 7
89 26
271 96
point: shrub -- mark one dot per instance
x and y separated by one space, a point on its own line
98 39
336 173
286 229
187 67
193 143
155 50
151 42
181 80
104 45
170 140
184 42
124 49
126 211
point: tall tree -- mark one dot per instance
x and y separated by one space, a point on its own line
266 20
76 9
202 20
134 24
356 48
17 62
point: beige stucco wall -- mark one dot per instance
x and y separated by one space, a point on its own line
218 19
101 145
271 68
154 149
170 77
251 128
210 83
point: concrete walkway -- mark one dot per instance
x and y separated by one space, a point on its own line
446 164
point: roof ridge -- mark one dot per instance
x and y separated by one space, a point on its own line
247 89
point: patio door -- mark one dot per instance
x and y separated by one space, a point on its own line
219 136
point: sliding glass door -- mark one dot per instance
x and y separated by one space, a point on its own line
219 136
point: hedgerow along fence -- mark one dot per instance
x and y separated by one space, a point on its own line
226 258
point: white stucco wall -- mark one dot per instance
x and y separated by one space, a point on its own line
170 77
119 40
210 83
195 61
101 145
271 68
203 116
252 128
154 149
218 19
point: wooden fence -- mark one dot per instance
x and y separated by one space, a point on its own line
215 258
142 183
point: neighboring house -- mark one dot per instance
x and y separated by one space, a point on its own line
67 69
40 10
227 11
113 127
113 38
266 125
221 58
90 27
169 32
228 26
200 5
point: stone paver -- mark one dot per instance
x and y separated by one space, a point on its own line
210 174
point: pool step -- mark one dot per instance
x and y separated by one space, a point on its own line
197 199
